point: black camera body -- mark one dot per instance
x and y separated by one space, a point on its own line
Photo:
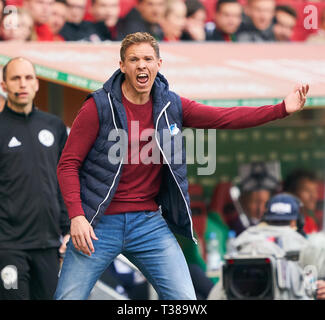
264 277
250 278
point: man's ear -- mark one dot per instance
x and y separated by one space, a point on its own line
4 86
37 85
159 64
122 66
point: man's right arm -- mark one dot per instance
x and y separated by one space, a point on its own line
83 134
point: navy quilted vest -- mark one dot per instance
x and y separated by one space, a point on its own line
99 177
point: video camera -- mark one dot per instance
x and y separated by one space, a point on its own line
263 277
248 278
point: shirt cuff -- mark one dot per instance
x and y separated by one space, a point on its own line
75 210
281 110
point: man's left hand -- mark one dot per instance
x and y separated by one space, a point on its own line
295 100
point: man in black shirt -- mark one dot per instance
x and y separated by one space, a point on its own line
257 25
227 19
32 214
145 17
76 29
106 14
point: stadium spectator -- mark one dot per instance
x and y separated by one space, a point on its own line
174 21
106 10
257 25
195 21
40 11
145 17
285 22
32 213
254 202
76 29
227 19
304 184
2 6
16 27
319 36
26 24
58 18
9 30
256 187
105 15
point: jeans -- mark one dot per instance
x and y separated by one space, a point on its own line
145 239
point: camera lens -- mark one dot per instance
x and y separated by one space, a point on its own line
250 281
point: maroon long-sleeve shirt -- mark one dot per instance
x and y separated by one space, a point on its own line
140 183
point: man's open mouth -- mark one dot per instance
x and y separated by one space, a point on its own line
22 94
142 78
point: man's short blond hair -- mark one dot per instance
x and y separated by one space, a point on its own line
136 38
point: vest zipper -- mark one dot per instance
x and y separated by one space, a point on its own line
119 168
158 144
109 191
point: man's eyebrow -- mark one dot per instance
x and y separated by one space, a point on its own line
15 76
140 55
20 76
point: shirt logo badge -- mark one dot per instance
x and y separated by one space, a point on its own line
46 137
14 142
173 129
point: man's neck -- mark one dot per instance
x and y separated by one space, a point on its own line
20 109
134 97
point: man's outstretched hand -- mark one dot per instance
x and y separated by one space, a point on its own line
295 100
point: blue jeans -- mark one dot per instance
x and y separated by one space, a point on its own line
145 239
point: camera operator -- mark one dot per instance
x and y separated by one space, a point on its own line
257 183
280 223
276 236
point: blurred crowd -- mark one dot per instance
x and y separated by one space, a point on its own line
166 20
